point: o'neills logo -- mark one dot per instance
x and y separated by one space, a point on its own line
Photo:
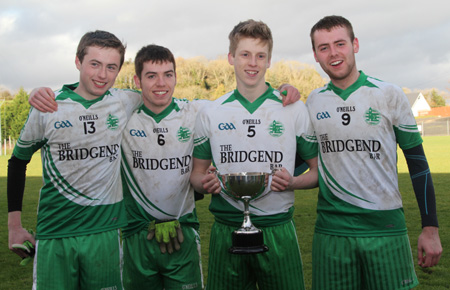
350 145
251 156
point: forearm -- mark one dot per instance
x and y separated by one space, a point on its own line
196 181
199 171
422 185
15 188
309 179
16 183
305 181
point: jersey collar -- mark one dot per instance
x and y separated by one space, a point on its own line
69 93
158 117
252 107
344 94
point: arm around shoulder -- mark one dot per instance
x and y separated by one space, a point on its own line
43 99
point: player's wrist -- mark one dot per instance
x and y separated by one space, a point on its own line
14 220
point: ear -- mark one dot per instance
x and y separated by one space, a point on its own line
315 56
77 62
230 59
355 45
137 82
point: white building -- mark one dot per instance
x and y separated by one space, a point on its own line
419 104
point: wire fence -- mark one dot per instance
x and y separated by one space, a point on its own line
7 146
434 126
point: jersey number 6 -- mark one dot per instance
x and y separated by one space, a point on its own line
161 140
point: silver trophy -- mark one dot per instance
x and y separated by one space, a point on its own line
246 186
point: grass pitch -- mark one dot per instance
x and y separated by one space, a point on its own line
437 150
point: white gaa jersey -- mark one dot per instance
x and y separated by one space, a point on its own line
157 163
80 150
239 136
358 130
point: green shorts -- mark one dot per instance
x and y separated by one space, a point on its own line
145 267
353 263
278 268
82 262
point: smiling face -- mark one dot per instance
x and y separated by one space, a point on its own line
98 71
157 82
335 52
250 60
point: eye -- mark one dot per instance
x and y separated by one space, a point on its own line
169 75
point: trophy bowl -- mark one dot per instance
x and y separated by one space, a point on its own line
246 186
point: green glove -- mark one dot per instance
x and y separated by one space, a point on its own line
167 233
28 248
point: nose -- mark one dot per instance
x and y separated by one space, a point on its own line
333 50
253 61
102 73
160 81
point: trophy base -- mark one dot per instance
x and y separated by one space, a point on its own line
248 242
248 250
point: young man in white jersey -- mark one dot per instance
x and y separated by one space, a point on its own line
157 162
81 205
237 133
360 239
156 165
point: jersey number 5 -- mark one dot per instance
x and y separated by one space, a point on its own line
251 131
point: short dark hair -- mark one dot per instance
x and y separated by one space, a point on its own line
100 39
330 22
153 53
250 29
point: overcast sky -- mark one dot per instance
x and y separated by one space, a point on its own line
406 42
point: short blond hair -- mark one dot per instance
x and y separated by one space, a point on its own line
250 29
